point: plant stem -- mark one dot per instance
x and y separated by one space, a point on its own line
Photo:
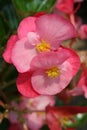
7 84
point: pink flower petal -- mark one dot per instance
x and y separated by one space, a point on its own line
52 122
27 25
74 61
78 0
45 85
62 111
83 79
22 55
48 86
82 83
83 31
76 91
65 6
37 103
33 38
50 59
78 21
54 29
35 121
81 86
55 114
84 87
10 44
24 85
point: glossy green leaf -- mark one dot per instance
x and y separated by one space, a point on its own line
10 16
30 7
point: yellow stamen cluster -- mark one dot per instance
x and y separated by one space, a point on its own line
31 103
43 46
39 113
53 72
64 120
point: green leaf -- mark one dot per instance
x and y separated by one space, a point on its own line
80 120
30 7
2 28
4 2
10 16
4 32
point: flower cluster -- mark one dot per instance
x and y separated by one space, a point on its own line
47 68
41 111
35 115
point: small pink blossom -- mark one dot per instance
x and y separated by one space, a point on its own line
35 120
82 31
37 103
81 86
66 6
37 117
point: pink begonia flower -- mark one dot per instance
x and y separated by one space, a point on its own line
38 34
66 6
37 103
37 117
82 31
10 44
35 120
27 25
58 117
53 71
81 87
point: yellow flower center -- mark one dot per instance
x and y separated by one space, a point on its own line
53 72
43 46
64 120
31 103
39 113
